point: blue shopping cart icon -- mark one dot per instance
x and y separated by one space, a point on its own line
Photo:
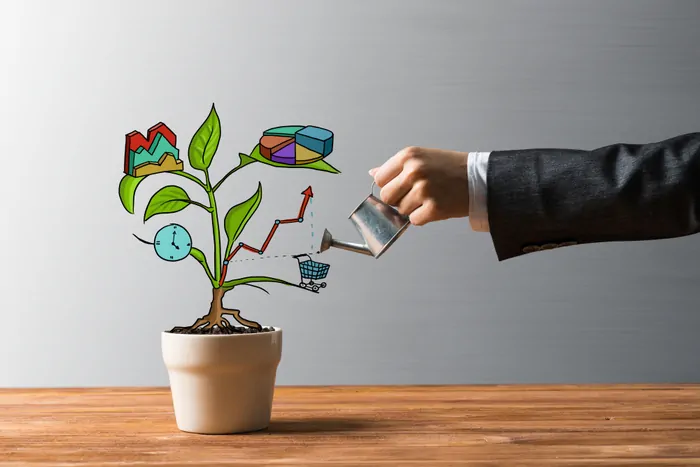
310 271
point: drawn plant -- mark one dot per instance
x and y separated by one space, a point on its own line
173 198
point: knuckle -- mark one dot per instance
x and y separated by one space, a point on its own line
387 195
423 189
405 207
380 178
432 210
384 193
411 153
415 171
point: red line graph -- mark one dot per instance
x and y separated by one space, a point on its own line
308 193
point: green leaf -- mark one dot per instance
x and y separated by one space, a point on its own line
205 142
167 200
201 259
228 285
238 216
127 191
321 165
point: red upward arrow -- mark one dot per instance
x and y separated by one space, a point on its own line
308 193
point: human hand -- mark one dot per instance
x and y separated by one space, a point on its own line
427 185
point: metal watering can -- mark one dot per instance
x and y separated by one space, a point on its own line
379 224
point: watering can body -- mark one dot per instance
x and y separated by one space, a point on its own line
379 224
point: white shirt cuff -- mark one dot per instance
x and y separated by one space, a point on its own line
477 165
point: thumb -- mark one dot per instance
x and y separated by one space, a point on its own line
373 171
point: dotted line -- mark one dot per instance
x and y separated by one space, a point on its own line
272 257
311 214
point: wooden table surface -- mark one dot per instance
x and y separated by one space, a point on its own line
350 426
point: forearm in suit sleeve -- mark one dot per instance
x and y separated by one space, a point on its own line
546 198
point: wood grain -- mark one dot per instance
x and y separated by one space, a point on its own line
348 426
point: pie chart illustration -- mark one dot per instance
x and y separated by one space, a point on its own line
296 145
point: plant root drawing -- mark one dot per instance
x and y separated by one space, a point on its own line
217 317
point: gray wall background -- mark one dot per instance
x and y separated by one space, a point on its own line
83 303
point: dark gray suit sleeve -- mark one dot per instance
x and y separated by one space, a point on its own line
545 198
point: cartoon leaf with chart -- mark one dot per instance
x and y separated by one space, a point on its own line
300 147
316 165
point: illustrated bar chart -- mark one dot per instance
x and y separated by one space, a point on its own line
157 152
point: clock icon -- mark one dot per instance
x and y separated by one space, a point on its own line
172 243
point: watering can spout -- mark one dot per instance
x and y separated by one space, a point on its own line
328 241
379 224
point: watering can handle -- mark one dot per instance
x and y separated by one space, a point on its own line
379 197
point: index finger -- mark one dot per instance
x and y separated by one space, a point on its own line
389 170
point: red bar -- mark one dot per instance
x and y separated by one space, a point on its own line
269 237
223 274
233 253
303 206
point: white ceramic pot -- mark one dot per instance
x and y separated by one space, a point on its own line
222 384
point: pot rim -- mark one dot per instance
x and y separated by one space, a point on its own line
277 330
